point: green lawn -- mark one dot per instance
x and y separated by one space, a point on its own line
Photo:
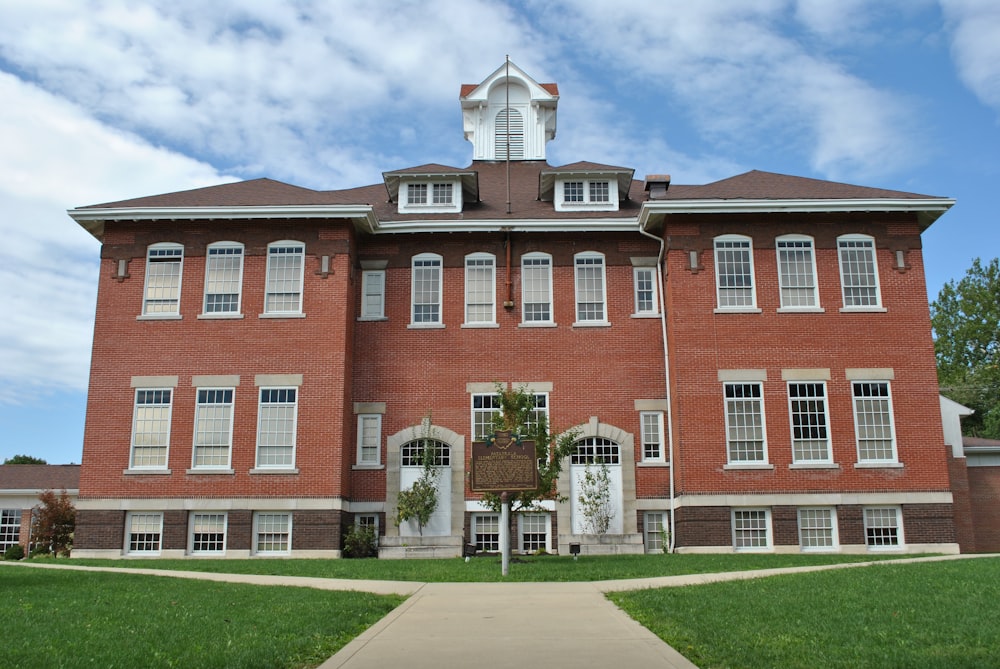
487 568
63 619
933 615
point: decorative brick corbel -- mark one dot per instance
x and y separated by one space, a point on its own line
121 270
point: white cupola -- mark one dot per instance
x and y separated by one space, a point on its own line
509 108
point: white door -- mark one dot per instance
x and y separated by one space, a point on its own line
596 450
410 470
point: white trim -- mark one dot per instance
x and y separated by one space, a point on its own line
366 277
428 258
797 238
360 461
768 530
816 499
590 256
238 313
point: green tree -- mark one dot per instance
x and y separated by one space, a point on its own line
53 523
421 499
966 320
24 460
595 498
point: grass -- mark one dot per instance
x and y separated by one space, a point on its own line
487 568
931 615
65 619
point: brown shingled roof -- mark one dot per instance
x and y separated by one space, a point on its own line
255 192
758 185
39 477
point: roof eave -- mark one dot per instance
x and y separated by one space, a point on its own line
512 224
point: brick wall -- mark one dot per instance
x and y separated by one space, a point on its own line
984 494
99 530
965 530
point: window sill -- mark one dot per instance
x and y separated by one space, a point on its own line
536 324
592 324
360 467
652 463
878 465
367 319
801 310
210 472
425 326
736 310
290 314
158 317
814 465
646 315
146 472
220 317
749 467
863 310
480 326
268 471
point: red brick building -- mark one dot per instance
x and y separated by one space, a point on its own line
751 358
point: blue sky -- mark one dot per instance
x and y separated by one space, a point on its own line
110 100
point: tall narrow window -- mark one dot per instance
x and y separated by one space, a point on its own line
163 279
817 529
223 278
10 528
807 409
276 426
652 436
213 428
734 272
369 438
426 289
144 533
536 288
485 406
645 291
272 533
285 264
873 421
208 533
151 428
797 273
590 291
745 423
480 289
509 125
882 528
653 532
858 271
751 529
373 294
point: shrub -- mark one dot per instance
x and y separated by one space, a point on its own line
15 552
360 542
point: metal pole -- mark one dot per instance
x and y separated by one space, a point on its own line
505 534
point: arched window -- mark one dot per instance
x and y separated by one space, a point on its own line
412 452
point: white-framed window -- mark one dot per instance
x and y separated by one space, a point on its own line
797 272
580 193
883 528
652 436
277 417
213 428
818 529
426 302
368 520
223 278
596 450
369 438
809 422
373 294
646 300
509 125
858 272
285 267
10 528
480 289
536 288
653 531
442 193
486 406
486 531
416 194
734 272
428 196
411 454
144 533
207 533
533 532
591 294
151 428
751 529
164 268
272 533
573 191
873 421
598 191
745 434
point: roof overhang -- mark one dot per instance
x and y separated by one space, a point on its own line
510 224
469 179
927 210
93 219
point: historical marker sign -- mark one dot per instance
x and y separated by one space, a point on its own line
504 463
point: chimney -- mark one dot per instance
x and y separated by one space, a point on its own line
657 185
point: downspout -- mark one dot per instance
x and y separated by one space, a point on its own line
666 375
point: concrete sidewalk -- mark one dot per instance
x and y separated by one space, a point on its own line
507 625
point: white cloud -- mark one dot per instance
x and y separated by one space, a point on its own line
55 158
974 26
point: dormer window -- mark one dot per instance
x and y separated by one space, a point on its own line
431 197
586 195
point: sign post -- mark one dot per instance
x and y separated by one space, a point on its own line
502 464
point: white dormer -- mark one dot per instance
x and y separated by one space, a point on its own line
509 108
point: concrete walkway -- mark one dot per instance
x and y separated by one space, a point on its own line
501 625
